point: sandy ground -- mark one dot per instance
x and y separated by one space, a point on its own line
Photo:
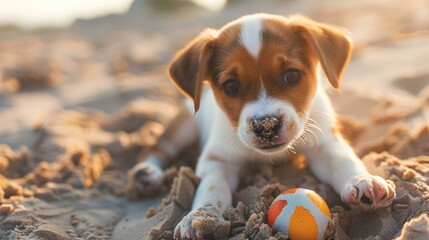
78 106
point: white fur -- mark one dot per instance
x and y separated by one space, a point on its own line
250 34
331 159
343 162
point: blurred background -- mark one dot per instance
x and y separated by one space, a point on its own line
102 54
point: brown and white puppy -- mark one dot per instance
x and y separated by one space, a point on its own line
265 99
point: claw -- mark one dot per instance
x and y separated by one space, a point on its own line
353 199
379 191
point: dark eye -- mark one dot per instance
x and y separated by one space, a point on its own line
292 76
231 87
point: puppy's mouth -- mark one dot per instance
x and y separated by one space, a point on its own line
271 147
270 144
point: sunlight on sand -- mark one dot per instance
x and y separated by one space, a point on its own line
31 14
58 13
213 5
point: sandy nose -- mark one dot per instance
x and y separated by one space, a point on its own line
266 127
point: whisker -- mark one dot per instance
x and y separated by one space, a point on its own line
307 136
316 127
308 130
292 150
324 114
301 139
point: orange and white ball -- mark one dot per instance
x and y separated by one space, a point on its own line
300 213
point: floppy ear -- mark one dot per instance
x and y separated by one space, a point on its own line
332 46
190 66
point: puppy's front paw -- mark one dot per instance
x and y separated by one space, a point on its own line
145 179
368 192
204 222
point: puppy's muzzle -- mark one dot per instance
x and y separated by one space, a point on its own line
265 128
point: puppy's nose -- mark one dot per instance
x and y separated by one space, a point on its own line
266 127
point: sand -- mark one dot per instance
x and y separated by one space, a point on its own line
80 106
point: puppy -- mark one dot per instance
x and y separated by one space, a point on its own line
266 99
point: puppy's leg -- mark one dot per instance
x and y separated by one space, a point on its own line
146 177
212 198
334 162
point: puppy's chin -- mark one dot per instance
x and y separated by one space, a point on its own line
271 148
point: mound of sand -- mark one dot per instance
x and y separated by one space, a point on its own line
248 219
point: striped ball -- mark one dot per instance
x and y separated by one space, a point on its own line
301 213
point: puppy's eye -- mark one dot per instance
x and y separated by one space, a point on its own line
292 76
231 87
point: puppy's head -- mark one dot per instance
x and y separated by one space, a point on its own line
263 72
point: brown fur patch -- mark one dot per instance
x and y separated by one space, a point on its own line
297 42
282 48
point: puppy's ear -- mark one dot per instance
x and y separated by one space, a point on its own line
332 46
190 66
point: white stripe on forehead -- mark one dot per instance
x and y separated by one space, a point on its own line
250 34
